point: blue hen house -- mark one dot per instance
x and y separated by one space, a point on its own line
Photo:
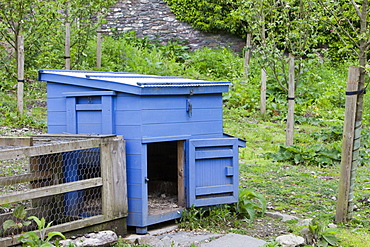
176 152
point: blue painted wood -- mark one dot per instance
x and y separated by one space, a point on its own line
165 138
71 116
107 115
128 131
213 154
128 117
89 93
206 178
180 115
128 102
135 205
166 109
117 84
155 219
216 189
212 101
89 107
133 161
192 128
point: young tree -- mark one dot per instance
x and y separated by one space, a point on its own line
350 22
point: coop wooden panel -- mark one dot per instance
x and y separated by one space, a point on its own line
128 102
192 128
180 115
209 178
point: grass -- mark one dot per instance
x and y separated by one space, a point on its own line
303 190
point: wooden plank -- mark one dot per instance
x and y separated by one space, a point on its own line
291 95
107 115
113 169
71 115
213 154
184 128
181 200
16 141
89 107
216 189
347 146
180 115
48 149
70 136
50 190
25 178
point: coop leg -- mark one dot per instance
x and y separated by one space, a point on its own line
141 230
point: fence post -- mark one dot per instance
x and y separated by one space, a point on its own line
20 60
98 47
263 92
291 93
113 172
347 145
67 55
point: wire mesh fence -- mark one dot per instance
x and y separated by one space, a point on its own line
59 179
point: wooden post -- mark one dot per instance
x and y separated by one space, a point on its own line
20 60
181 201
247 54
67 55
98 47
263 92
347 146
291 94
113 171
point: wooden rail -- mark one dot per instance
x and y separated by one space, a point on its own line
112 178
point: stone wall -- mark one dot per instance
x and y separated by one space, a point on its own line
154 19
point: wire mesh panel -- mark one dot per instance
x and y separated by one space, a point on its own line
61 186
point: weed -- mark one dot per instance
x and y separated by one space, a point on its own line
320 235
250 202
316 155
19 213
31 238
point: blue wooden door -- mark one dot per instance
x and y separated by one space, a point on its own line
212 171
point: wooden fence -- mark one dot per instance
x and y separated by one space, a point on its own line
73 180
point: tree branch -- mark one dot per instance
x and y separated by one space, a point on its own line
358 12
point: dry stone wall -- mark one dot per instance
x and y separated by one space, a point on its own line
154 19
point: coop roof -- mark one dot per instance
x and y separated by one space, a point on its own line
133 83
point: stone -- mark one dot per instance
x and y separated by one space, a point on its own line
290 240
278 215
332 225
165 242
147 240
235 240
307 235
102 238
304 222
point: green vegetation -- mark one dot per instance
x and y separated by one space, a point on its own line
301 179
31 238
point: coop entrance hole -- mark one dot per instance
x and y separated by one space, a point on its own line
165 167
